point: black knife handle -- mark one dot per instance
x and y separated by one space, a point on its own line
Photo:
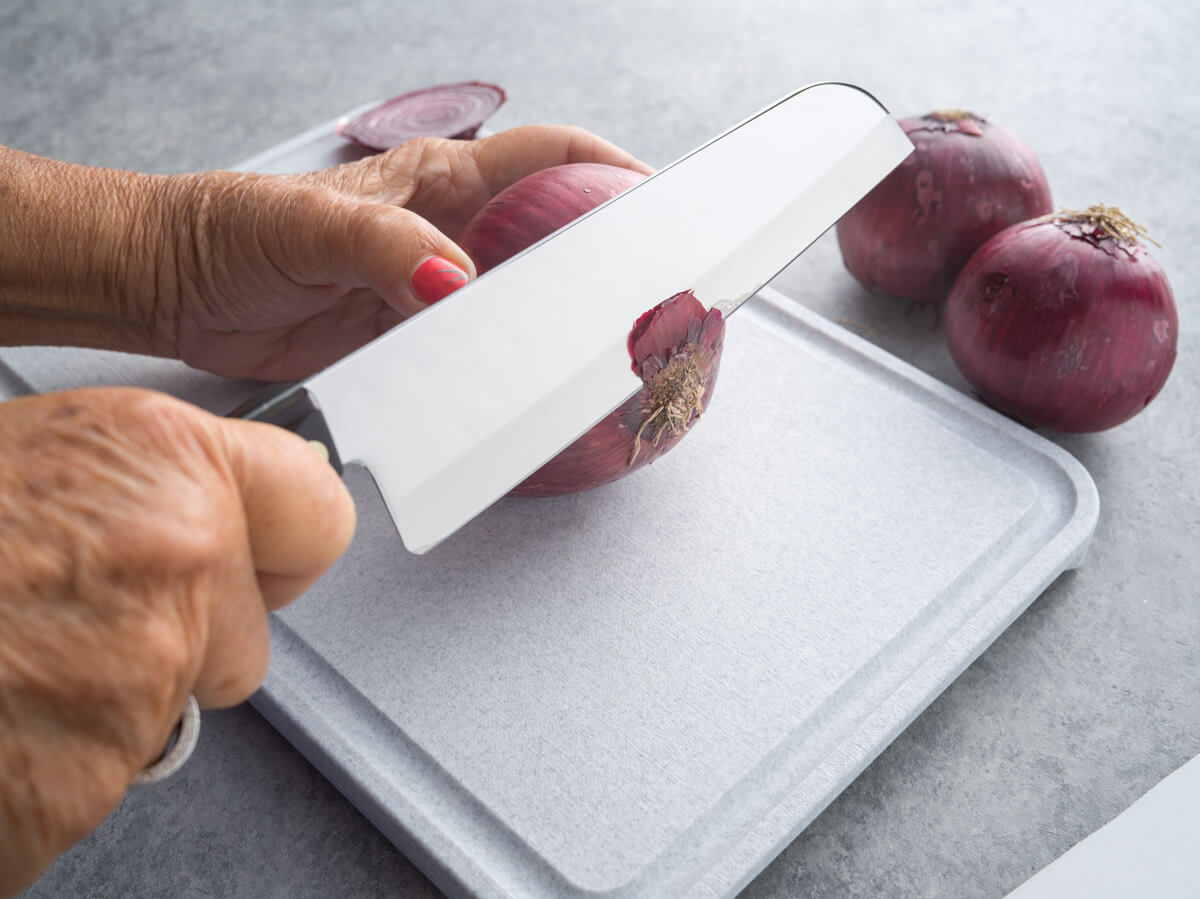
290 406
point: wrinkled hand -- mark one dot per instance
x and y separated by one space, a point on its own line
142 543
280 275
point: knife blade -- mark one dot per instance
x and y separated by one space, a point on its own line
457 405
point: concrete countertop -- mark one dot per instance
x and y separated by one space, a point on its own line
1083 705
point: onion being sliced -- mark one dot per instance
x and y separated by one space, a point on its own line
445 110
675 348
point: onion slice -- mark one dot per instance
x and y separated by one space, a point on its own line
445 110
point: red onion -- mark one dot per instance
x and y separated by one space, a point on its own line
675 347
1064 322
446 110
537 205
966 180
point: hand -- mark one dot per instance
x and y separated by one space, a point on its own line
280 276
262 276
142 543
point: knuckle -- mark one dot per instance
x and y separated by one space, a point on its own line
165 649
236 684
426 147
175 512
397 165
158 415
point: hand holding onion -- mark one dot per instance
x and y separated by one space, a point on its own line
249 275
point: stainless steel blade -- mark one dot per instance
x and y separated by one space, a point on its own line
452 409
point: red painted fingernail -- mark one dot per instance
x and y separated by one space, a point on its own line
437 277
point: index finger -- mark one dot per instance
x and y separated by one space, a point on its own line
450 181
509 156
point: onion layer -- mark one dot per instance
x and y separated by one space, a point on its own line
446 110
1065 322
675 348
966 180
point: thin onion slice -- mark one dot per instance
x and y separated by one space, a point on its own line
445 110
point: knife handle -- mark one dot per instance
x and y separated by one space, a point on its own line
290 406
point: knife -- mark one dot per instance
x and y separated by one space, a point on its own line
457 405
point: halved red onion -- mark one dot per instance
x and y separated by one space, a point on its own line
445 110
1065 322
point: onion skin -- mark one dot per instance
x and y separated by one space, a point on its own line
1061 326
537 205
681 331
967 180
674 347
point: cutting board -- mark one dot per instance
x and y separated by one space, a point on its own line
651 688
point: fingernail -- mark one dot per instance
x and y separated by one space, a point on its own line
437 277
320 449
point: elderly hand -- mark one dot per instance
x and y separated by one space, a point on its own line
142 544
143 541
264 276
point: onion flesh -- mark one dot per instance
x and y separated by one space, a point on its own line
967 180
445 110
1065 322
675 347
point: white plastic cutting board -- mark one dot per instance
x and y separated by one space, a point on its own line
650 689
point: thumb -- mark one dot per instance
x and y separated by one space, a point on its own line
389 249
299 516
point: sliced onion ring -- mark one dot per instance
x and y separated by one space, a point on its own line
445 110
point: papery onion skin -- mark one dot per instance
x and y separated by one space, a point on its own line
444 110
675 347
624 441
966 180
1061 326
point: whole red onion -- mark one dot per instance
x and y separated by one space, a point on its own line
966 180
1064 322
674 347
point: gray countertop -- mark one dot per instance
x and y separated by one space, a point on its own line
1083 705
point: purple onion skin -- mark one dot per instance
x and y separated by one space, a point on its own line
604 453
537 205
674 331
1061 329
967 180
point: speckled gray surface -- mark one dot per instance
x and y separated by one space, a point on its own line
1087 701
